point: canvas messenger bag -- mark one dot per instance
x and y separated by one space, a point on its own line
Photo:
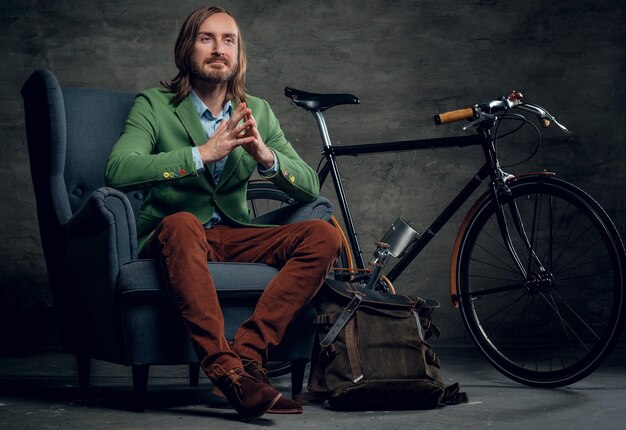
371 352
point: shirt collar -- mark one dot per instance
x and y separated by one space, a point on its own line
202 109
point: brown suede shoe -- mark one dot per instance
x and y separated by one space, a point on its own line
249 397
284 405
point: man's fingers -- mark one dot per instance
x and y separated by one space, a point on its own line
241 128
242 141
240 113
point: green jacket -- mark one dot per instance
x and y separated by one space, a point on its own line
154 154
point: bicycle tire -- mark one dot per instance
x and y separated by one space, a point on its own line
555 327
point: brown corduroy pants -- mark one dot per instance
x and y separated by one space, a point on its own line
304 252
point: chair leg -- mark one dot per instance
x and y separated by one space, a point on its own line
194 374
297 376
83 367
140 386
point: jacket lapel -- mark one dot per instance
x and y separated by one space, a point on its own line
233 158
188 116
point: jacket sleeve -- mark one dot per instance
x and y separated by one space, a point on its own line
136 161
293 175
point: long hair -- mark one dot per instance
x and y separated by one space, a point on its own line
180 86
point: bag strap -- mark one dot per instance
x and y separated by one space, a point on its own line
453 396
352 350
342 320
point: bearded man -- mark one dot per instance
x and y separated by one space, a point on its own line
192 145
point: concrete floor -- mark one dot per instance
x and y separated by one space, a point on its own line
38 391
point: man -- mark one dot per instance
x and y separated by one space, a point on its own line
192 146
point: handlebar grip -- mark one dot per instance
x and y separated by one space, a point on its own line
455 115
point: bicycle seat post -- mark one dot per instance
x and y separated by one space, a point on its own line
341 194
321 124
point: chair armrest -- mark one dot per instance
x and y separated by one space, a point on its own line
108 218
99 239
320 208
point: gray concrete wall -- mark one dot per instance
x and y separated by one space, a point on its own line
406 60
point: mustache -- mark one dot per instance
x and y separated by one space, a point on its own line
214 58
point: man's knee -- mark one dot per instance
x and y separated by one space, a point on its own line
326 234
180 224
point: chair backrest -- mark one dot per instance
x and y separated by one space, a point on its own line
70 132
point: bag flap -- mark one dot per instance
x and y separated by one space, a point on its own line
347 290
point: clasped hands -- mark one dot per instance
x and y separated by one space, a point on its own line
231 134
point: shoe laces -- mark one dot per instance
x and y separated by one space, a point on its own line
258 365
233 375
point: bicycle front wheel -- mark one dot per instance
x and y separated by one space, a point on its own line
556 323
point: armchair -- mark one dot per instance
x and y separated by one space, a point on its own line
110 304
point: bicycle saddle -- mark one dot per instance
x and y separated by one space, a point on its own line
313 101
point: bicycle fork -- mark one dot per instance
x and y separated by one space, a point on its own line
500 192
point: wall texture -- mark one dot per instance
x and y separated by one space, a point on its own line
405 60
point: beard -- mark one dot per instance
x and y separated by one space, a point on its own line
212 76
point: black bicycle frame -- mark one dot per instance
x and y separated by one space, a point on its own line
330 166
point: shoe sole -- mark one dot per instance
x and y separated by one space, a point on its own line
284 411
272 403
218 393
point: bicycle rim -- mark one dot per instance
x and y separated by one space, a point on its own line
264 197
557 324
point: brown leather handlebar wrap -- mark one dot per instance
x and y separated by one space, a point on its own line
455 115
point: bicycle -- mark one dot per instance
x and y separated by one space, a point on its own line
537 265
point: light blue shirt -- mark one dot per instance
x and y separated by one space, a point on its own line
210 124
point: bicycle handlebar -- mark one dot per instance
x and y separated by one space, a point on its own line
485 111
455 115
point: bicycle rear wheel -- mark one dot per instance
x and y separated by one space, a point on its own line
558 323
264 196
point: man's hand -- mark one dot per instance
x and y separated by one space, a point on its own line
229 135
257 148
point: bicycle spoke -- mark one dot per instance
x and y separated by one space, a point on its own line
586 250
519 325
581 265
500 245
588 276
568 240
503 311
254 208
507 269
578 312
536 214
487 292
566 327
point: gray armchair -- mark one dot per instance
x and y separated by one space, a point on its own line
111 305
